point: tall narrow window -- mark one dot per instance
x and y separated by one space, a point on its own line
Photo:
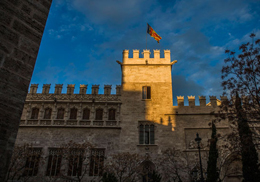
32 162
75 162
96 162
146 92
141 134
99 114
73 113
111 114
47 113
146 134
151 134
54 162
86 113
60 114
35 113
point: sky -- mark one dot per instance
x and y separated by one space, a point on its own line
84 38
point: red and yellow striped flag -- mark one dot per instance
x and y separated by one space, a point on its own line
153 34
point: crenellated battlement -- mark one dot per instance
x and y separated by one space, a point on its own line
146 57
71 88
214 102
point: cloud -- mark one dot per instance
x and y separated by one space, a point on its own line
113 12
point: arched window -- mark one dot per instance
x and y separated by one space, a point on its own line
73 113
146 134
99 114
47 113
35 113
60 113
111 114
86 113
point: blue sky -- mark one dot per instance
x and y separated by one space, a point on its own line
84 38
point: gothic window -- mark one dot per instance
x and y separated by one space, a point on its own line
75 162
146 92
86 113
111 114
99 114
47 113
32 162
60 113
146 134
73 113
35 113
96 162
54 162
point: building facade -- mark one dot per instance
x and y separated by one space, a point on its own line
139 118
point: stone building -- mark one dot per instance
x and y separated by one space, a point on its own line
139 118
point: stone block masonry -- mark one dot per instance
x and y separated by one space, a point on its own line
22 24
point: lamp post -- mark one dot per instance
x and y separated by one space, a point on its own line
198 139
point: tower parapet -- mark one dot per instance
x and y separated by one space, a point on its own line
58 88
46 88
95 89
33 88
118 90
107 89
83 89
214 102
202 100
146 58
191 100
180 100
70 89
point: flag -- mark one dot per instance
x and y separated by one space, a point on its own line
153 34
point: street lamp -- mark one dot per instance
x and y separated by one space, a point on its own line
198 139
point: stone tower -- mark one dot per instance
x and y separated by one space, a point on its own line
146 95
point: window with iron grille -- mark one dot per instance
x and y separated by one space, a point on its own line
73 113
35 113
146 92
96 162
47 113
75 162
60 113
111 114
146 134
86 113
99 114
54 162
32 162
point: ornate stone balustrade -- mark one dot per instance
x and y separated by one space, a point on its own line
69 123
81 97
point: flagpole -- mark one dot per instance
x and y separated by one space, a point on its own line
146 40
146 35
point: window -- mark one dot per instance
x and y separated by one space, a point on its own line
99 114
60 114
32 162
47 113
73 113
111 114
96 162
86 113
146 134
75 162
54 162
146 92
35 112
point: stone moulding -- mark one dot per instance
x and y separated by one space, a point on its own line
32 97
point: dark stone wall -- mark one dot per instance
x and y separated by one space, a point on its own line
22 24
